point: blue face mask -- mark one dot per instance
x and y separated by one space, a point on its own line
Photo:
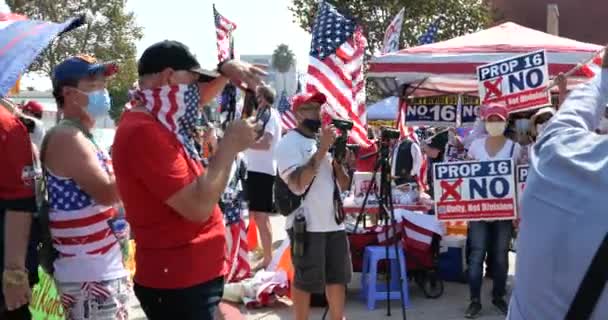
99 103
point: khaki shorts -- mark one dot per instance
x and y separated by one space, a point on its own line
326 261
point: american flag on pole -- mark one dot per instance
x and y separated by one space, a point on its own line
288 119
236 244
223 31
336 68
22 40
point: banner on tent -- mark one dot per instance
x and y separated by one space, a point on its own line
381 123
469 110
522 177
440 111
469 191
520 82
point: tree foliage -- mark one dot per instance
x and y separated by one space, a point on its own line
110 34
459 17
282 60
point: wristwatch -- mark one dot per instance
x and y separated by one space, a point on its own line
15 277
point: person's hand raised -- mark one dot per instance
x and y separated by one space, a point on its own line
327 138
242 73
240 134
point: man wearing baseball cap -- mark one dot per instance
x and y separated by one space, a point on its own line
490 237
82 196
309 170
171 201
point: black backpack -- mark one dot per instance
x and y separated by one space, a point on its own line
285 201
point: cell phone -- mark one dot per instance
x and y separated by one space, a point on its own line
262 117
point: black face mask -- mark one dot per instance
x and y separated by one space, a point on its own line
312 125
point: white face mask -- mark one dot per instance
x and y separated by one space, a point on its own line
496 128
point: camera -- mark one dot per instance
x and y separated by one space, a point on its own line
339 148
389 133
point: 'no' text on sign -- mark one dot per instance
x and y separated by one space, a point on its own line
520 82
469 191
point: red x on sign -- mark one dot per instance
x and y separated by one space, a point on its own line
449 190
493 88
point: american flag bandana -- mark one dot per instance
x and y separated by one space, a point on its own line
176 107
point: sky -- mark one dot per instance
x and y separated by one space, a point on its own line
261 26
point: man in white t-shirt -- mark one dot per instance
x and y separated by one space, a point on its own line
262 169
308 169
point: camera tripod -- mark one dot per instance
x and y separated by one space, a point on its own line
386 213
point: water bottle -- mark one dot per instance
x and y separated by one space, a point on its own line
299 232
122 232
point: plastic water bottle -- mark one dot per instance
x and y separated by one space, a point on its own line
122 231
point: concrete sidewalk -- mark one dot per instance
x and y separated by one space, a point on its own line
450 306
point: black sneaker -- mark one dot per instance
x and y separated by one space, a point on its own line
473 310
501 305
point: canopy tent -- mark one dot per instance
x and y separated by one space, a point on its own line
385 109
450 66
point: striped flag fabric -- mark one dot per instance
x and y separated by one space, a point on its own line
335 68
223 32
22 40
236 244
288 118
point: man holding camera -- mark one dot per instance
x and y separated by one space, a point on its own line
310 172
262 168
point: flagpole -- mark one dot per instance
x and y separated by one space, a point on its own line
570 72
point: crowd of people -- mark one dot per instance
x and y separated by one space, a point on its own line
169 170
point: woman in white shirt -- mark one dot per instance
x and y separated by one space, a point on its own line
490 236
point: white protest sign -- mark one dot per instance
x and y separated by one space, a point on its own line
520 83
480 190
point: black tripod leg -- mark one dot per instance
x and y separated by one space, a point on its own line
397 243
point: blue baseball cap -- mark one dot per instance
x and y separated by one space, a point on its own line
81 66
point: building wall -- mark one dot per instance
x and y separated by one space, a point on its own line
278 81
582 20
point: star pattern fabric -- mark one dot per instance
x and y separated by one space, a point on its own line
331 30
431 33
187 122
64 194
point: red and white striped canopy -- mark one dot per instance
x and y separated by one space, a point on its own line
450 66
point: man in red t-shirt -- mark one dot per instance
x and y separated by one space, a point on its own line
169 199
17 205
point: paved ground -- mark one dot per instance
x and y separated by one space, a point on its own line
450 306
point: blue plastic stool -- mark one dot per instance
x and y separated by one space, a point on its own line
371 290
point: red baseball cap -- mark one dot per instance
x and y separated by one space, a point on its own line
33 107
494 109
305 98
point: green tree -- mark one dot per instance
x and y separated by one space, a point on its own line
282 61
459 17
110 34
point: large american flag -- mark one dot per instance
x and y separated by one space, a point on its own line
22 40
288 119
223 30
336 68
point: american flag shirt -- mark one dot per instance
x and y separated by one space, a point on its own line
88 249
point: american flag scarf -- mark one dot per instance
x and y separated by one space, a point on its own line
176 107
